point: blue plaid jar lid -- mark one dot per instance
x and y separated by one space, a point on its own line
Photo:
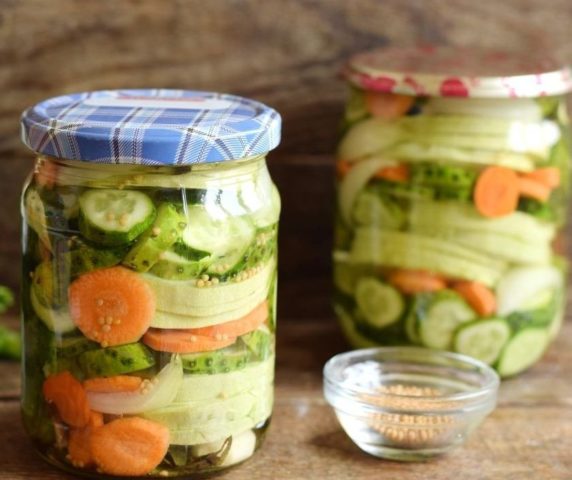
151 127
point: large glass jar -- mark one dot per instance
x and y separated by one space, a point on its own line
452 188
149 281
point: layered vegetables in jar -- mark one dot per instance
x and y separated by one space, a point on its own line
448 229
149 314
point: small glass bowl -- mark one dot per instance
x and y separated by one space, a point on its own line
408 403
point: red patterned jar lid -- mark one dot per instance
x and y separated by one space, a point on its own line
458 72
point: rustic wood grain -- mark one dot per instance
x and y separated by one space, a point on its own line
285 53
528 437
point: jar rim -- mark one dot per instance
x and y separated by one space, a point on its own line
458 72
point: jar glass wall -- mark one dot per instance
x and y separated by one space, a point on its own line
449 228
148 314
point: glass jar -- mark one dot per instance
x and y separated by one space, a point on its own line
149 285
452 193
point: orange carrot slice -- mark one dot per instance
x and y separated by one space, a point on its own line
69 397
533 189
79 448
235 328
129 446
416 281
548 176
342 168
496 192
388 106
112 306
182 341
119 383
478 296
399 173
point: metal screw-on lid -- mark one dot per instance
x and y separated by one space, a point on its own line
151 127
458 72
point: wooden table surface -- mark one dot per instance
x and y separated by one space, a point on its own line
529 435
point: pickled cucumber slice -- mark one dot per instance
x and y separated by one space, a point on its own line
524 349
150 246
114 217
225 360
483 339
447 312
106 362
84 259
69 347
175 267
380 303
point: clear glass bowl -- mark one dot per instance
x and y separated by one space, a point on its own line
408 403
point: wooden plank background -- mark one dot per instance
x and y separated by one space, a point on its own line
283 52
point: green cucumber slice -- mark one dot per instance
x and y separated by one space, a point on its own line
225 360
443 175
417 310
114 217
371 209
58 321
69 347
158 393
164 232
483 339
447 312
210 230
524 349
175 267
85 258
107 362
380 303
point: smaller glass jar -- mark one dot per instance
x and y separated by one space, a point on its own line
453 187
149 236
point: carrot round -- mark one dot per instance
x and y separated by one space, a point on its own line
112 306
182 341
478 296
548 176
68 396
496 192
342 168
129 446
79 448
235 328
119 383
533 189
399 173
388 106
416 281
